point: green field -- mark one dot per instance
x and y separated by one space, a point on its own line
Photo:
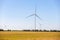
29 35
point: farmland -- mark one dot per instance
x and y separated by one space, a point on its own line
14 35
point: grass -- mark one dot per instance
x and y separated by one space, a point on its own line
29 35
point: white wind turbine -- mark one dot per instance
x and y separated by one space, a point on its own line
35 15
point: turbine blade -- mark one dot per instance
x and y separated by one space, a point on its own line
30 16
40 24
38 17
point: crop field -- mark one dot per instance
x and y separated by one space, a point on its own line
6 35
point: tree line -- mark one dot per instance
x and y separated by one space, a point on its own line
33 30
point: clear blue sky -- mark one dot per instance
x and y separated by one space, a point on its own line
13 14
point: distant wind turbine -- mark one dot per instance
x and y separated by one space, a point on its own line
35 15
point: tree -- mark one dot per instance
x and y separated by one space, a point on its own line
1 30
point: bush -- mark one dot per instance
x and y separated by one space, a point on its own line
45 30
8 30
26 30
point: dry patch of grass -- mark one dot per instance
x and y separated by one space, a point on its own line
29 35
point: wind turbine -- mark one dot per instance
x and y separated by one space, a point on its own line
35 15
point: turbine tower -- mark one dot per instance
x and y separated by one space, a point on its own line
35 15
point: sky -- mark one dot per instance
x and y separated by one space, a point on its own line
13 14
